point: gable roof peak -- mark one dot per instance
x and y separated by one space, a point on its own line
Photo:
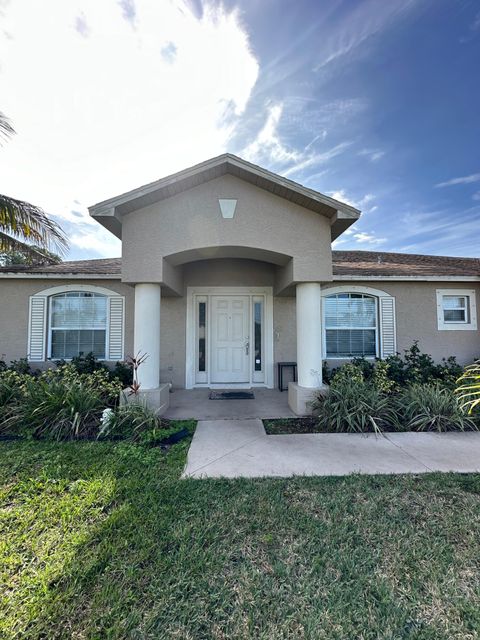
109 212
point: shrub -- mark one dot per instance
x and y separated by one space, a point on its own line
430 407
380 377
468 388
355 407
134 421
366 367
418 367
109 390
11 389
19 366
121 371
60 408
348 373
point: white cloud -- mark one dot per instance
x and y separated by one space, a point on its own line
267 142
372 154
107 96
368 238
100 242
362 203
268 148
474 177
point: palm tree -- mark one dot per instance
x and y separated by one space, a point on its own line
23 225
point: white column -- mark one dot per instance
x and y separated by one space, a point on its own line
309 335
147 334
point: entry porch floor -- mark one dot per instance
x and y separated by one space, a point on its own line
195 403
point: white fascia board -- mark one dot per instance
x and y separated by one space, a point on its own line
59 276
409 278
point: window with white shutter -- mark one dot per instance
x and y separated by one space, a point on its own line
351 325
358 322
74 320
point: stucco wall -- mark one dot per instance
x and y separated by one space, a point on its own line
416 318
415 314
14 301
192 220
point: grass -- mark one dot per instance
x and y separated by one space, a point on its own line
103 540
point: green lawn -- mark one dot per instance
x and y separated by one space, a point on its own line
102 540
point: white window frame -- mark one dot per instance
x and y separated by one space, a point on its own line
379 296
47 294
50 328
375 328
470 323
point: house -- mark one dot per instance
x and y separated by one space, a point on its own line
226 270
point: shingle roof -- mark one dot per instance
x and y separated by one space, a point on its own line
374 263
104 266
345 263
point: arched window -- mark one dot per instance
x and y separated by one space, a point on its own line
75 319
78 325
351 325
358 322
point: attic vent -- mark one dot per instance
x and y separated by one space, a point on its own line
227 207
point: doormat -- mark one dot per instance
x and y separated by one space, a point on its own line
231 395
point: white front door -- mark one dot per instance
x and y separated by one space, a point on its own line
230 339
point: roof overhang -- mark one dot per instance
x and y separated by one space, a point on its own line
109 213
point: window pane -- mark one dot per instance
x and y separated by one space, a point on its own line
454 315
202 317
258 320
79 310
454 302
350 310
70 343
346 343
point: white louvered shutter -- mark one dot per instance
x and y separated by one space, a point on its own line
37 328
115 329
387 327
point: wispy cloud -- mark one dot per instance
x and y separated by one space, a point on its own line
476 195
371 154
474 177
365 21
269 148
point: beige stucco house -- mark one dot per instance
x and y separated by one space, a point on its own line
226 270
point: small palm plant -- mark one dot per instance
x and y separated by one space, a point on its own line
468 388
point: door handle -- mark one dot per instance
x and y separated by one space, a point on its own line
247 348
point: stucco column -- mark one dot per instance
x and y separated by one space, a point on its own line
309 335
147 334
309 349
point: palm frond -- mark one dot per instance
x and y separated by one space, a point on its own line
26 222
9 244
6 129
468 387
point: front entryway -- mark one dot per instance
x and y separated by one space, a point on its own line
229 337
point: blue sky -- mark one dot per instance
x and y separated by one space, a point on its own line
376 103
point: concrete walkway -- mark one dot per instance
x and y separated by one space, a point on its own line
241 449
